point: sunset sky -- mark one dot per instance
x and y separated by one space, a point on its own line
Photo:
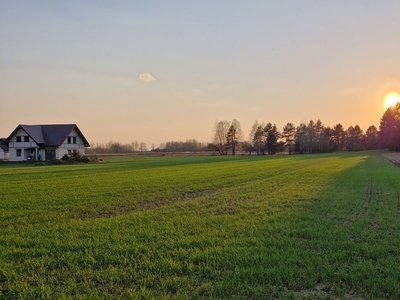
156 71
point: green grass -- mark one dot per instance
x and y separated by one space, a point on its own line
300 227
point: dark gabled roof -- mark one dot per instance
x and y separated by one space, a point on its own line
3 144
49 135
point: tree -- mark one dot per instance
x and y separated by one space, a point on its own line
233 136
326 140
142 147
272 138
354 138
258 140
135 146
319 133
219 143
371 138
300 139
247 147
338 136
389 129
116 147
288 134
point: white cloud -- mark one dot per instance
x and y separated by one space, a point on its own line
146 77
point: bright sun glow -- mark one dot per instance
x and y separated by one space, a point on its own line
391 99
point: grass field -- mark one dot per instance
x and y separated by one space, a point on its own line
300 227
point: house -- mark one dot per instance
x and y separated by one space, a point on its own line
3 149
45 142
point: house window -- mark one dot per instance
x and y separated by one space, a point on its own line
74 140
69 152
19 152
19 139
69 140
26 138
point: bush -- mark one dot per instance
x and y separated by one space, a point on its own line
75 156
84 159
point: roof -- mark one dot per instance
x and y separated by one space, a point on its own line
49 135
3 145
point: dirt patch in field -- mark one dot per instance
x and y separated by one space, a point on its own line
393 157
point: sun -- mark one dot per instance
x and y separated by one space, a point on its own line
391 99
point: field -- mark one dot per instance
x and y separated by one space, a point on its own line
284 227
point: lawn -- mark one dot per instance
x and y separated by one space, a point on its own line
301 227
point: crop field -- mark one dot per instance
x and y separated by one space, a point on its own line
270 227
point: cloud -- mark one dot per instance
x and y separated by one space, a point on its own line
146 77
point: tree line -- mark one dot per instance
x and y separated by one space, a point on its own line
266 138
112 147
117 147
311 137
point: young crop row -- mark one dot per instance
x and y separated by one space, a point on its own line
312 226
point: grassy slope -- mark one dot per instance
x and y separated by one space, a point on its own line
251 227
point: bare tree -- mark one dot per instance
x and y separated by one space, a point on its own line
219 143
135 146
116 147
142 147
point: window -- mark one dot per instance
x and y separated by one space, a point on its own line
71 140
69 152
19 152
19 140
26 138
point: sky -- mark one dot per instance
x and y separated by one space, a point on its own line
158 71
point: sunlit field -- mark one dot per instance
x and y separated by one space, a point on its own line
300 227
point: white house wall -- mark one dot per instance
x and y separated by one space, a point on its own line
66 148
12 154
2 155
13 145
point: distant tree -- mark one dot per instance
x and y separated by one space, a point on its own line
252 141
135 146
161 146
219 143
142 147
233 136
289 131
259 140
354 138
319 134
247 147
300 139
371 138
339 136
272 138
253 130
389 129
326 140
116 147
